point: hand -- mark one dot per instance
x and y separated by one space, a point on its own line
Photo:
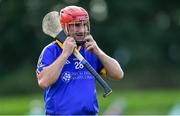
91 44
68 46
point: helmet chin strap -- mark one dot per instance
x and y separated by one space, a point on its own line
80 43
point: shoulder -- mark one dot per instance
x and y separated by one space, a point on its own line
51 49
47 55
88 53
53 45
49 52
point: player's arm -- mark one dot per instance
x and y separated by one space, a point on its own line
50 74
112 67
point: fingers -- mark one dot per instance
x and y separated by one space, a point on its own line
88 38
70 40
89 46
69 45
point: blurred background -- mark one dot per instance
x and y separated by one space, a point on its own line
143 35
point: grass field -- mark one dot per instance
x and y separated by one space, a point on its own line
157 102
154 102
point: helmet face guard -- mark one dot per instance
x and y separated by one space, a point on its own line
72 29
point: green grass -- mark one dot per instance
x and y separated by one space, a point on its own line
137 102
17 104
144 102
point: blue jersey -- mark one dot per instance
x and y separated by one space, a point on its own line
75 91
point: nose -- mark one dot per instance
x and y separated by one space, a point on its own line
80 28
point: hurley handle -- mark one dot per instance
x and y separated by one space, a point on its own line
104 85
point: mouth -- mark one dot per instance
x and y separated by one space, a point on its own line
79 34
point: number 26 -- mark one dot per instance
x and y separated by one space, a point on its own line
78 65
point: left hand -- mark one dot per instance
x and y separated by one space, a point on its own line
91 44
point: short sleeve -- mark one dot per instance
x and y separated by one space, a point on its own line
101 69
103 72
45 59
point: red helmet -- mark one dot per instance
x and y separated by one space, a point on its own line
72 14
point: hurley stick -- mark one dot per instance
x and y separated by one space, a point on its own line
51 26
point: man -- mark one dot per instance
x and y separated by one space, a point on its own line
69 87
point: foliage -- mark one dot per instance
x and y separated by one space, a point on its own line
142 35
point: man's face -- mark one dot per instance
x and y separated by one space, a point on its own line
78 30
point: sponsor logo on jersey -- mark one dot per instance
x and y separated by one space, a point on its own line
77 75
66 77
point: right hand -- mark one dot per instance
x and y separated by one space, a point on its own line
68 46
